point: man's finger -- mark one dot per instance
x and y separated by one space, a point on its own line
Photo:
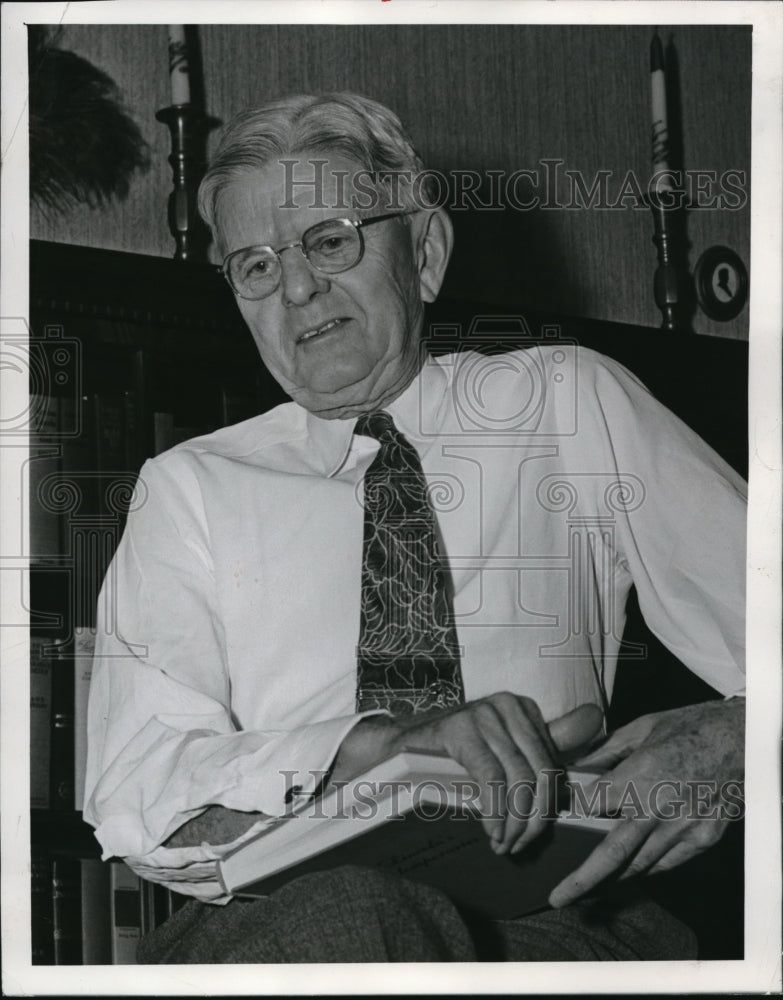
573 730
664 839
544 745
679 854
523 750
611 856
468 744
530 789
619 745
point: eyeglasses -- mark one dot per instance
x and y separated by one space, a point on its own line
331 247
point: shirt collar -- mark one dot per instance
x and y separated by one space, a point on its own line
417 412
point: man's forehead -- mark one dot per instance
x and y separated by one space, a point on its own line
279 200
317 181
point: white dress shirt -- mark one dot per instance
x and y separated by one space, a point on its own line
228 621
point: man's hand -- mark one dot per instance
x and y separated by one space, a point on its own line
501 741
685 769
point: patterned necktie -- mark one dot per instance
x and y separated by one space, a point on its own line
408 656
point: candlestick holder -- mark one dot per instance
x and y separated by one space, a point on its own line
669 281
187 126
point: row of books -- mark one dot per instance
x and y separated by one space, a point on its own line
60 673
80 447
90 912
235 405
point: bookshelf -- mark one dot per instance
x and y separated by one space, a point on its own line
128 354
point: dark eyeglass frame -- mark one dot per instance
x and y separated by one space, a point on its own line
358 225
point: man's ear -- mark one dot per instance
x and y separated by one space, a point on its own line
433 249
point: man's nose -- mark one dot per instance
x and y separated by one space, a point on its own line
299 280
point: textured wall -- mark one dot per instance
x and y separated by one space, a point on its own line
484 97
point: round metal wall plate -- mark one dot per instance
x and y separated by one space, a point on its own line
721 283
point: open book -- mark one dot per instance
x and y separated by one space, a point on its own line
417 814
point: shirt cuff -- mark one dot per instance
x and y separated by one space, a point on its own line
295 769
286 770
191 870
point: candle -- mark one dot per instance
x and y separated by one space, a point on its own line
660 127
178 65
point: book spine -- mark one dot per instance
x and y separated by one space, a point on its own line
111 448
44 461
184 432
78 463
66 901
84 648
61 755
176 901
165 903
161 903
149 920
239 403
126 911
110 437
132 432
41 910
40 725
96 912
164 431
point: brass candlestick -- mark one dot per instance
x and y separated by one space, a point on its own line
187 126
665 283
670 279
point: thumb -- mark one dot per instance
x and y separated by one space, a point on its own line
575 729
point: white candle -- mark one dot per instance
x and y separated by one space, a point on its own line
660 125
178 65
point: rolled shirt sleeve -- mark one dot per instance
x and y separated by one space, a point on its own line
162 745
681 523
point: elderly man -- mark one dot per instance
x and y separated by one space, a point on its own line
270 618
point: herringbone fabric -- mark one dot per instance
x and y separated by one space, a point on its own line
354 914
408 655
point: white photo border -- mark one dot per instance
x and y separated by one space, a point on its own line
760 970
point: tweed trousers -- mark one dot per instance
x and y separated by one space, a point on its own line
353 914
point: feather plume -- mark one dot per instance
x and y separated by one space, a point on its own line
84 146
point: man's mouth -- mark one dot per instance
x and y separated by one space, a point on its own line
324 328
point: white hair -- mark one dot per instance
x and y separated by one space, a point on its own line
357 127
